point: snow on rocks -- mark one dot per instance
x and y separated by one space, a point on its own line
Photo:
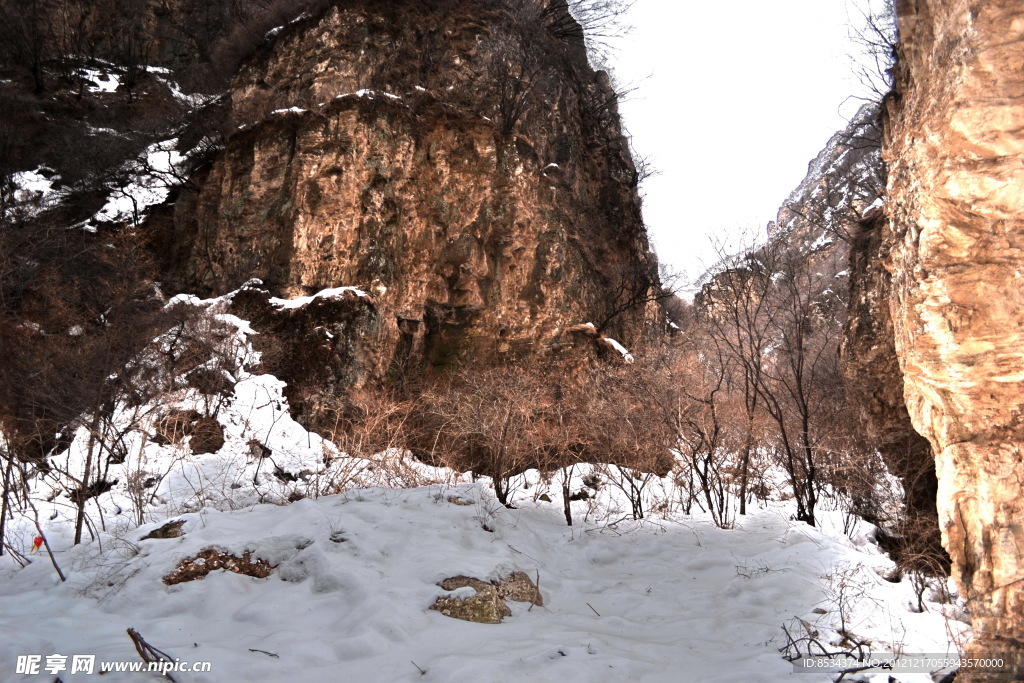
364 92
873 209
626 355
332 293
103 81
590 330
189 100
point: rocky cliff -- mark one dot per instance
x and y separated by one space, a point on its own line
459 162
842 182
952 246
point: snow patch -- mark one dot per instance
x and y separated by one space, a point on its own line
34 191
368 93
151 178
626 355
877 204
105 81
333 293
191 101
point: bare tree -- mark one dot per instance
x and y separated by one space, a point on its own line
514 77
576 20
802 379
877 37
26 37
777 320
7 464
485 419
74 309
739 321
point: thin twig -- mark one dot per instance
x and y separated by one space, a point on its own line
46 543
858 669
592 607
149 653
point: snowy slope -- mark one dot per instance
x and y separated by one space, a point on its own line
666 600
358 556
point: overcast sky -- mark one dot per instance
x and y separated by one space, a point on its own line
732 101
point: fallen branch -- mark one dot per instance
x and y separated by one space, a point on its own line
150 654
858 669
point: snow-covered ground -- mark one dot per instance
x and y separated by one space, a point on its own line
663 600
668 598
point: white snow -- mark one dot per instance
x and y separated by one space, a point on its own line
33 191
192 101
626 355
333 293
877 204
665 600
368 93
105 81
823 240
290 110
357 559
150 183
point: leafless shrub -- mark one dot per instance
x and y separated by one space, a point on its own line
485 419
776 322
515 78
596 21
250 31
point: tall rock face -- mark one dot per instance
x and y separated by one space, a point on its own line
875 387
457 161
953 246
842 182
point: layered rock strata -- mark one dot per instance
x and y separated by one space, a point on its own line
954 248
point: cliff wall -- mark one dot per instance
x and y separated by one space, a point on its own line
953 248
458 162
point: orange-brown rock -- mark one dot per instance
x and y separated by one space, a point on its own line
875 387
375 151
954 247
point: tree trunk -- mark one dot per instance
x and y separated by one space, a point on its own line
83 490
566 473
7 498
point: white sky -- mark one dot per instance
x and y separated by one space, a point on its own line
732 102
